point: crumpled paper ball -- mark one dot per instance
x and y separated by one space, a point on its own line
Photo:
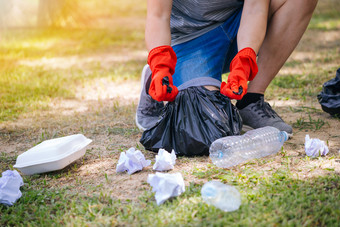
166 185
164 160
315 147
131 161
10 184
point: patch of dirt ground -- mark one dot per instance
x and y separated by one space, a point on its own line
109 122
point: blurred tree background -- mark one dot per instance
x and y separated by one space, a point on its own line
59 13
66 13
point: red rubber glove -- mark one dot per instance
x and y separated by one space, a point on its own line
162 61
243 68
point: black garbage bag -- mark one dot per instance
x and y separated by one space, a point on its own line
192 122
329 97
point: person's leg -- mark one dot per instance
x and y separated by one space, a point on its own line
148 109
288 20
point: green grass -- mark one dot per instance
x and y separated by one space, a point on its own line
277 199
326 16
24 89
28 88
326 21
300 86
301 123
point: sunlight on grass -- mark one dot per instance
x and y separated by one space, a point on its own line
30 44
24 89
26 86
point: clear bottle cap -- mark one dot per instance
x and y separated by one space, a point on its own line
284 135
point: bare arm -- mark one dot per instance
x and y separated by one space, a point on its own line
253 24
157 29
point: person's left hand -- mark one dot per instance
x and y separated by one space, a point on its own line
243 68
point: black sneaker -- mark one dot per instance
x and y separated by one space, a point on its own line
261 114
148 109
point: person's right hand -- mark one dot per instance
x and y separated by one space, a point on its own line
162 61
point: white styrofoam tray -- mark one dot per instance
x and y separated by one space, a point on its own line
51 155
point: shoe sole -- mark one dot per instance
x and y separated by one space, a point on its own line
247 128
142 84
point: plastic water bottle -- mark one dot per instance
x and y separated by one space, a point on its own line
224 197
233 150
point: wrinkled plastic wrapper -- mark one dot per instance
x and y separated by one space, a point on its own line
132 161
329 97
166 185
192 122
10 184
222 196
315 147
165 160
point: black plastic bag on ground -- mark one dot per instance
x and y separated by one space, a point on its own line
329 97
192 122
